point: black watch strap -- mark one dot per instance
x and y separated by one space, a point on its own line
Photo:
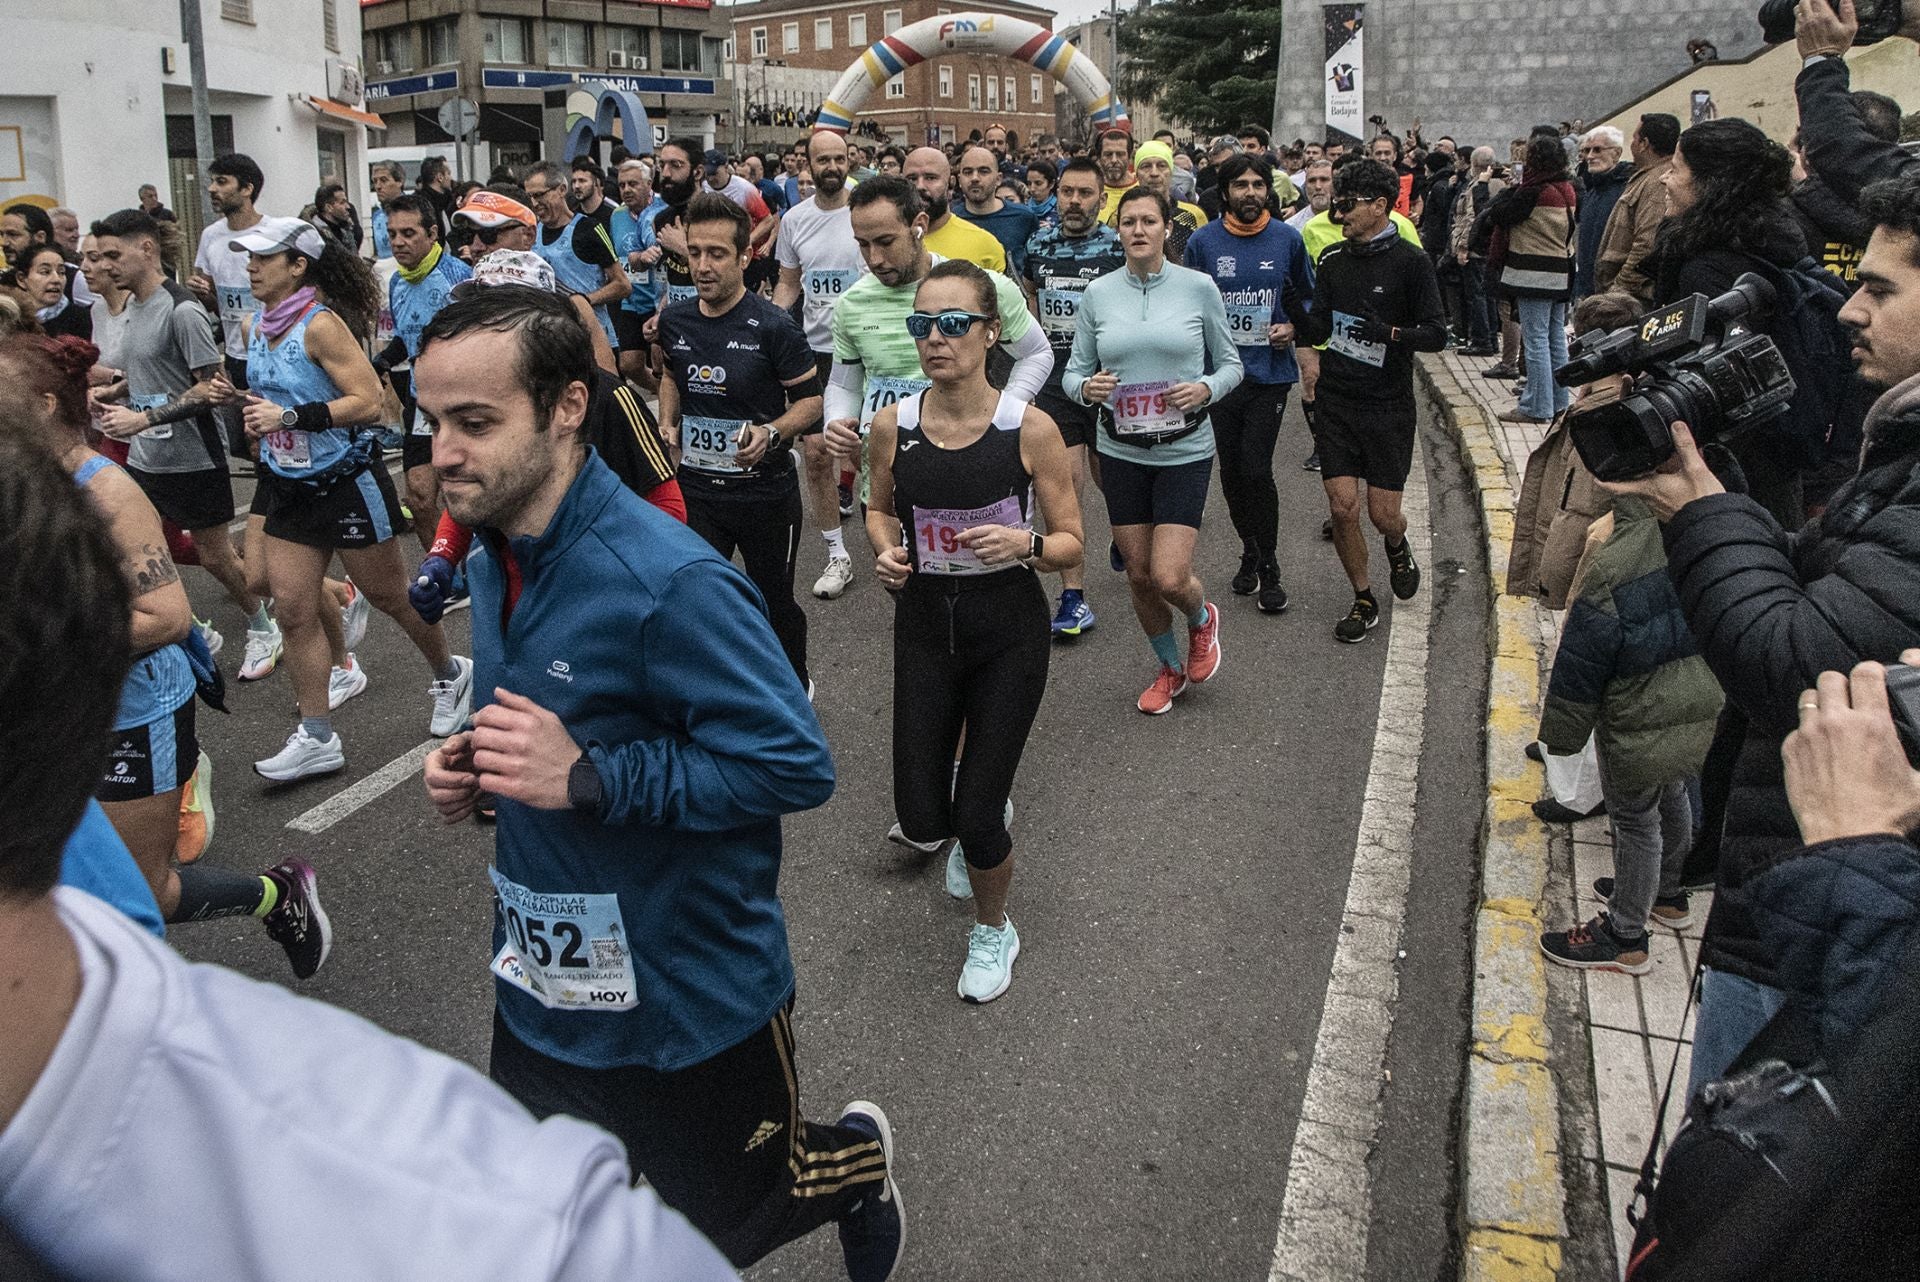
584 791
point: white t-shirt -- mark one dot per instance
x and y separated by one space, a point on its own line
1302 216
819 242
195 1124
737 190
233 299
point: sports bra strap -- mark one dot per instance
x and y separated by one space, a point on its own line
90 469
1009 412
907 412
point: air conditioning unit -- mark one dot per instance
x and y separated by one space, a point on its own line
617 58
384 68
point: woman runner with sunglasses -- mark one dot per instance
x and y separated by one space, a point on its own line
1142 339
955 472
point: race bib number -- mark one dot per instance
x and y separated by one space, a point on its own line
936 536
708 443
290 449
825 286
1248 323
681 293
1058 309
1142 409
164 431
1346 340
568 951
236 303
882 392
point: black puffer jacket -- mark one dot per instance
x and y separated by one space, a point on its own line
1771 613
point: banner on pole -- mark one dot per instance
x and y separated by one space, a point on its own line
1345 74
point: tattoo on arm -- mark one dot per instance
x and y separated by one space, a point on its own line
186 405
154 570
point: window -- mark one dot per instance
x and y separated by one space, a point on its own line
897 87
330 25
501 40
711 60
856 30
392 50
889 21
789 37
631 41
237 10
1037 93
946 81
993 93
1012 94
759 39
568 44
973 92
443 41
680 50
726 49
823 33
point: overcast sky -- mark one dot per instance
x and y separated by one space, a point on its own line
1067 12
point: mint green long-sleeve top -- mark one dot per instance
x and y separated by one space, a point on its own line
1170 327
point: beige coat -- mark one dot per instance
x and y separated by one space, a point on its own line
1628 238
1559 500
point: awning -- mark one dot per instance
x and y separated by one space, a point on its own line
328 107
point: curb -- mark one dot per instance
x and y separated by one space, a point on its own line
1512 1201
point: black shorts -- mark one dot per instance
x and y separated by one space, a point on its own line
416 440
629 329
1075 421
1142 494
355 511
152 759
191 500
1370 441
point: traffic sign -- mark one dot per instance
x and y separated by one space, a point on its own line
459 116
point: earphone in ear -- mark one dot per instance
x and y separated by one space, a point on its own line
917 233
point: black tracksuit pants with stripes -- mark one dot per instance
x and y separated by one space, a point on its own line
721 1142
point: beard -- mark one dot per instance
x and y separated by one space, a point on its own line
673 191
830 182
497 499
936 207
1249 210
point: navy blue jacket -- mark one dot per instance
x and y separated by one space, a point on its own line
657 656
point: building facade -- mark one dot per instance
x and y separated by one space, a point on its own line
96 100
1094 39
789 53
507 55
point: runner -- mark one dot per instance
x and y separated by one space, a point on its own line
579 247
1010 224
952 530
947 236
633 241
1260 266
1153 169
1061 262
819 262
1114 151
177 451
741 385
503 223
641 784
1376 302
325 490
1143 340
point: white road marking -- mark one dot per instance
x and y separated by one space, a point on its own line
1329 1195
374 786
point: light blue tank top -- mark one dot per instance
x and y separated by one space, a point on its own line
575 272
287 376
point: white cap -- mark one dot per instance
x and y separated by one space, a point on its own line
277 236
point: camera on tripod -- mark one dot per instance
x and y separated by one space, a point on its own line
1696 360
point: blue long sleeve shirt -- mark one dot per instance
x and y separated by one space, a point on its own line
657 923
1264 279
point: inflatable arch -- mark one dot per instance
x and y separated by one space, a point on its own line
994 33
602 106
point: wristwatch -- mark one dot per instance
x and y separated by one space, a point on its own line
1036 545
583 785
289 419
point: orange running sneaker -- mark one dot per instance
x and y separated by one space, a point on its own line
1168 686
1203 647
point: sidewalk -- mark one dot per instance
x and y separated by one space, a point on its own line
1632 1022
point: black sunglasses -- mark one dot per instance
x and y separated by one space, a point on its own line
1347 204
953 324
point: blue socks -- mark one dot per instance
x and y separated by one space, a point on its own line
320 728
1166 648
1198 620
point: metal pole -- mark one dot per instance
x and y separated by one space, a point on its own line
202 111
1279 76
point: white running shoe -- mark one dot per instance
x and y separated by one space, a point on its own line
354 615
990 957
212 637
263 652
303 756
899 838
834 579
452 700
344 683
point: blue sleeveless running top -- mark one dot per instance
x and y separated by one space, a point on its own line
573 271
160 680
287 376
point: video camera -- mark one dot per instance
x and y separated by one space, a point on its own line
1878 20
1696 360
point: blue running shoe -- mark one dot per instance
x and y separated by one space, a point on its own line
1074 615
873 1234
1114 559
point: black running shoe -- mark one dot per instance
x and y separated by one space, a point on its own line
1312 462
298 923
1326 529
1273 597
873 1233
1360 620
1500 371
1404 571
1249 577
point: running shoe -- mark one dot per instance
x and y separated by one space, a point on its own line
1114 559
354 615
298 923
196 813
1273 597
210 635
1311 463
1360 620
303 757
990 957
959 880
1203 647
873 1232
1403 571
834 579
1249 576
1672 911
1501 371
1592 945
1073 617
846 498
452 700
344 683
264 646
459 599
1158 697
899 837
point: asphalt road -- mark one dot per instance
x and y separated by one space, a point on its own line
1128 1109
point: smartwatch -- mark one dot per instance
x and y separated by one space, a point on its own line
1036 545
583 785
289 419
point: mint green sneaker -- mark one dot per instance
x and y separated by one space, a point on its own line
990 958
959 881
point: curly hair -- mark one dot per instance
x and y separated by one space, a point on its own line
1741 182
345 282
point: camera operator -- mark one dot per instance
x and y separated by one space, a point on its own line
1772 611
1838 143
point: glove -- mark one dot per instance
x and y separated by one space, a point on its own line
1375 330
431 590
